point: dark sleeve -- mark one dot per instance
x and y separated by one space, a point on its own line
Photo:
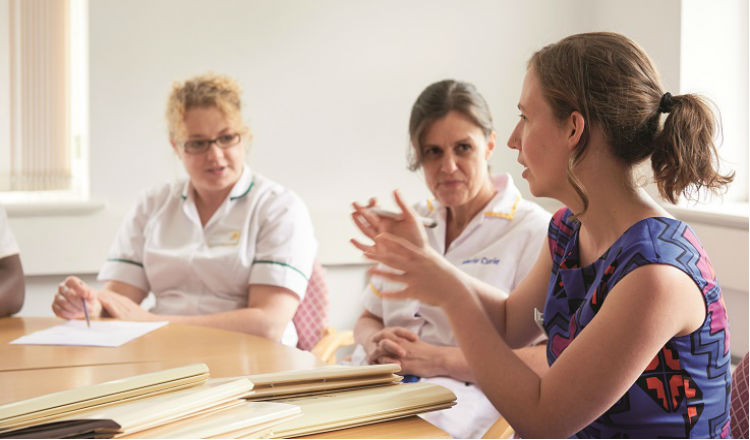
12 285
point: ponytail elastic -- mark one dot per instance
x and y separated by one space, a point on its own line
665 105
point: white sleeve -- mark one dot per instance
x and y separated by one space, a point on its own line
8 245
371 299
286 248
125 259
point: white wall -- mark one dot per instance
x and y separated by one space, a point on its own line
328 87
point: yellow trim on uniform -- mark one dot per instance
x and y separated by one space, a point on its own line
374 290
429 205
508 216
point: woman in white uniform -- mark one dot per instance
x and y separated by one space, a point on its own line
484 227
228 248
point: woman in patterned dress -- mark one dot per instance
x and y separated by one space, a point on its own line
638 339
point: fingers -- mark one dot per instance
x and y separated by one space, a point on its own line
405 208
389 346
406 334
80 288
115 304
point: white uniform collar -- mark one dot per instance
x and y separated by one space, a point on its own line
503 204
240 189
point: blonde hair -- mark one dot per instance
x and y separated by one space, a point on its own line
208 90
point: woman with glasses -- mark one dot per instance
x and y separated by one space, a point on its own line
227 248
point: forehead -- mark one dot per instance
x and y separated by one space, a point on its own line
451 127
531 93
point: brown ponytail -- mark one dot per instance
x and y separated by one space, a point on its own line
611 81
685 157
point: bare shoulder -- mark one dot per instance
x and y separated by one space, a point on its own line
663 289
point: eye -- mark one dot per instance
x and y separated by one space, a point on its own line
522 116
430 152
196 145
227 139
464 146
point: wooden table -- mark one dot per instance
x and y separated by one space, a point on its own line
32 370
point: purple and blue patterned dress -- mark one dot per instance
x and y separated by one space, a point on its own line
684 391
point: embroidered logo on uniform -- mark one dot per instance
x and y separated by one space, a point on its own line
483 260
225 239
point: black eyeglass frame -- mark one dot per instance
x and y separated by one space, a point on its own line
189 147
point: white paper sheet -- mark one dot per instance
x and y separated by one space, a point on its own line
101 333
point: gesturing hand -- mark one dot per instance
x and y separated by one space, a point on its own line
406 224
427 276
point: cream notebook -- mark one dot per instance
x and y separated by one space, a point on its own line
65 403
333 377
346 409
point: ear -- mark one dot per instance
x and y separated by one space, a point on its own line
491 140
575 127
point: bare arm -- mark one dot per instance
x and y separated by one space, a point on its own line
596 368
12 285
642 312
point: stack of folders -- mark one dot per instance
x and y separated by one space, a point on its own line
141 404
338 397
184 403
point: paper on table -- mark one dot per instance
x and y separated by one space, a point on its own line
101 333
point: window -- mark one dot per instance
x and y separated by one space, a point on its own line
714 62
43 124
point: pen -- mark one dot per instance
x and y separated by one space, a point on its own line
86 313
427 222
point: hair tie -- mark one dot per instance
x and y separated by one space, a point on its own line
666 104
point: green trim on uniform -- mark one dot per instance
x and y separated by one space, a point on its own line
282 264
244 193
122 260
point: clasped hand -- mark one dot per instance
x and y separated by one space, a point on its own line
398 345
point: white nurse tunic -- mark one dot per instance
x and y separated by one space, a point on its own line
261 234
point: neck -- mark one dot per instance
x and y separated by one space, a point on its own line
207 202
615 202
460 216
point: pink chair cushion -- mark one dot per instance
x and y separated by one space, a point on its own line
312 314
738 408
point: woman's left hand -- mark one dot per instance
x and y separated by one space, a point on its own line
405 224
427 276
121 307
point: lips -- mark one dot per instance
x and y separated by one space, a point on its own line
216 170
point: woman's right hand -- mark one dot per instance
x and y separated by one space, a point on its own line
406 225
68 302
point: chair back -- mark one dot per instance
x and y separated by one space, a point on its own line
311 317
738 408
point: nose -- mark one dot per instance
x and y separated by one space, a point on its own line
448 163
214 151
514 141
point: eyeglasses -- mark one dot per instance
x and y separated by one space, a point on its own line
200 146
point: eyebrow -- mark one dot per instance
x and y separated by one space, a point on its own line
520 107
203 136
